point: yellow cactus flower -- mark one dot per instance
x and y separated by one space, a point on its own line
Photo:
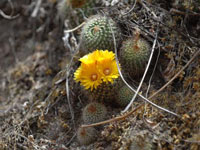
106 55
108 70
88 75
88 59
97 67
91 57
97 56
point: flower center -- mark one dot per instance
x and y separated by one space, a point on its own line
94 77
106 71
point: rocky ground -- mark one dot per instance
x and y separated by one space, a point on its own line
36 110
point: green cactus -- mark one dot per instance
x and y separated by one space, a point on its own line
94 112
97 33
124 96
134 55
106 92
86 136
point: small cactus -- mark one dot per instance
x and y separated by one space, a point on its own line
134 55
94 112
86 136
124 96
97 33
106 92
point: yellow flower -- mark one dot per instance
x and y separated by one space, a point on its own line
97 67
97 55
107 66
77 74
108 70
91 57
88 75
106 55
87 59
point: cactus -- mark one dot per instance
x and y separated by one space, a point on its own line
86 136
94 112
97 33
106 92
124 96
134 55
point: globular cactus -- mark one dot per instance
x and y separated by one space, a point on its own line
87 135
134 55
106 92
94 112
97 33
124 96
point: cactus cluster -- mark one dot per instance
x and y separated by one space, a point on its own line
134 55
94 112
98 74
98 71
97 33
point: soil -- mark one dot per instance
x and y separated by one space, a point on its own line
41 105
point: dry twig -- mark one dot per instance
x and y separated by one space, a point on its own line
37 7
7 16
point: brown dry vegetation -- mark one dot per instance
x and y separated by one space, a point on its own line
34 110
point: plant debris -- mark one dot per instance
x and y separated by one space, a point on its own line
37 112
